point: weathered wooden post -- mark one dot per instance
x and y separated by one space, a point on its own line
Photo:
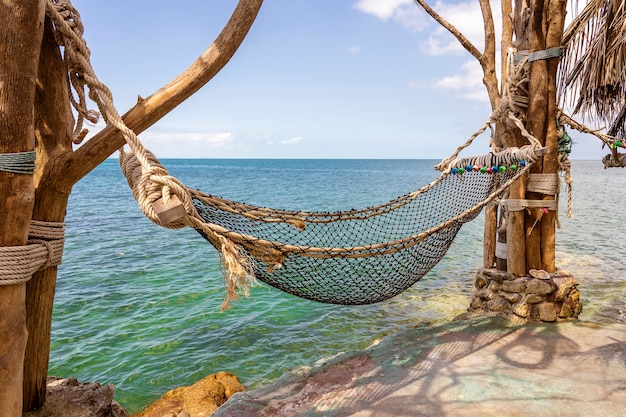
59 168
22 28
546 31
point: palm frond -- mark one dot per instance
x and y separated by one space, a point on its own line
593 68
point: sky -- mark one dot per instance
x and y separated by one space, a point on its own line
312 79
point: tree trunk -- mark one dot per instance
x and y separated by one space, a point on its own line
22 28
53 132
547 23
58 168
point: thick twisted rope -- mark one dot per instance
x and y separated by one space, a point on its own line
44 249
153 182
18 163
148 179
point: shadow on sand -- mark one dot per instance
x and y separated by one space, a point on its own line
476 367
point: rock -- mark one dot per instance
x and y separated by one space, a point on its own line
539 273
534 298
518 285
480 281
495 275
497 304
66 397
535 286
522 310
485 294
476 303
565 285
198 400
511 297
566 311
547 312
495 286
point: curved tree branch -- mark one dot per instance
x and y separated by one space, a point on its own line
454 31
487 59
148 111
490 77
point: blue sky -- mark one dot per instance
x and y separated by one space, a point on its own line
313 79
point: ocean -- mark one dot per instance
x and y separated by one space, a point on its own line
138 306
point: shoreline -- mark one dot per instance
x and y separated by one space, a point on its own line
476 366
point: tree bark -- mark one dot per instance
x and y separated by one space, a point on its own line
536 123
556 24
22 28
59 168
53 132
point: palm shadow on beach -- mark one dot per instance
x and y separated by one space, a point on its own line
485 364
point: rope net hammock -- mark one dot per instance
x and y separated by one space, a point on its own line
347 257
357 256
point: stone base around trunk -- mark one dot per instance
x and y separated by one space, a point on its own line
548 298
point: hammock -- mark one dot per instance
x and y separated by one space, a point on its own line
357 256
349 257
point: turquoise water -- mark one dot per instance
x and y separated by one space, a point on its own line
138 306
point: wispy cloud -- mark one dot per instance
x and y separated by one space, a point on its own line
291 141
467 82
465 16
404 12
187 144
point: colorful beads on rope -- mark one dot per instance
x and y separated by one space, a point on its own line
489 170
618 143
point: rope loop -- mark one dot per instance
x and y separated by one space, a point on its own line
43 250
18 162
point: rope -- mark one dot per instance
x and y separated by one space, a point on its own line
509 106
44 249
153 181
18 163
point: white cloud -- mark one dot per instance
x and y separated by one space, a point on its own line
468 19
188 138
468 82
291 141
187 144
405 12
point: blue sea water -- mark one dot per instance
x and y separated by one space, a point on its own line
138 306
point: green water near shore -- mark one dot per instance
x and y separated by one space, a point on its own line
138 306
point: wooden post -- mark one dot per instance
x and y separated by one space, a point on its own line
556 23
22 28
53 131
58 168
489 238
547 23
536 125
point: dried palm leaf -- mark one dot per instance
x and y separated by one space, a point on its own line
593 69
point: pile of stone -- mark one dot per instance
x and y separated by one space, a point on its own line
538 297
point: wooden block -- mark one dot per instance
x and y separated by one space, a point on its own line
169 212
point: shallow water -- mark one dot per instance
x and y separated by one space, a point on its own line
138 306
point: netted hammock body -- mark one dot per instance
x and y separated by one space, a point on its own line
349 257
357 256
